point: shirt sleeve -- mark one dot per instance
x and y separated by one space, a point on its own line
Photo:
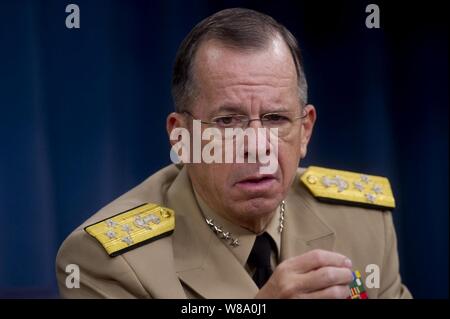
391 286
100 276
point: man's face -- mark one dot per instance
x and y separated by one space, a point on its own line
251 83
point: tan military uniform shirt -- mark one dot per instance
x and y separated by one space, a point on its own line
195 263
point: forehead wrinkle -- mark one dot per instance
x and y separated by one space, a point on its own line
249 84
251 76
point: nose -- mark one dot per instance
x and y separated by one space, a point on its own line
257 120
260 143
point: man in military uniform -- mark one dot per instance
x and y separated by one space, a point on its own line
224 230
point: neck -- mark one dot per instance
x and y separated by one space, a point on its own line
256 225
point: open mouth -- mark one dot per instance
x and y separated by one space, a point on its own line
256 180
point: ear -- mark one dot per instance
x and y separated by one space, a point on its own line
174 120
307 128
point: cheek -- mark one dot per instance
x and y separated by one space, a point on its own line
215 175
289 158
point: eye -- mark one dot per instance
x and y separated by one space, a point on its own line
275 118
227 120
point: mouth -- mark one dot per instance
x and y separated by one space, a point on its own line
257 183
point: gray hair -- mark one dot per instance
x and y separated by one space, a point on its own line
238 28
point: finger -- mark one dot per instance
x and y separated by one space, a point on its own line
319 258
334 292
325 277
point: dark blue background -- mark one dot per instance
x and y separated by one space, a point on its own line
83 116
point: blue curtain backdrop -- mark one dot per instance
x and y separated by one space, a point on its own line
83 116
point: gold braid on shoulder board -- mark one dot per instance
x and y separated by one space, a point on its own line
133 228
352 188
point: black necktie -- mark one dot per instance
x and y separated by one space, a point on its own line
260 259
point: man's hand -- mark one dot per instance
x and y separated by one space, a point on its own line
315 274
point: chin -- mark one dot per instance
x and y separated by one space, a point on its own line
257 207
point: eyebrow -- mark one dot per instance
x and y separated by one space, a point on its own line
238 109
230 108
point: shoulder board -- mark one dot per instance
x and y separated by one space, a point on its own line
349 187
133 228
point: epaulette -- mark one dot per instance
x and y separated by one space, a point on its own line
133 228
349 187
